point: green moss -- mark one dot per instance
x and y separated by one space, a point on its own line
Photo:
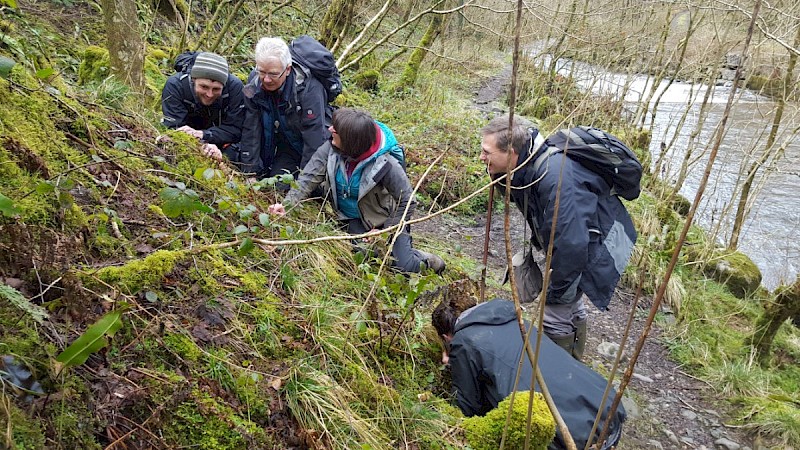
735 270
485 433
367 80
29 119
540 107
680 204
135 275
95 66
154 77
73 423
205 423
26 432
183 346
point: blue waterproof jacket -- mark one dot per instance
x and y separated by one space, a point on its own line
383 191
594 234
296 116
221 122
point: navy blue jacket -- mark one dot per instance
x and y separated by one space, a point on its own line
484 356
297 116
221 122
594 234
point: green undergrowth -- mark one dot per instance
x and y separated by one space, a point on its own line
228 342
233 339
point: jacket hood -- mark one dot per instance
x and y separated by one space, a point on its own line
388 141
495 312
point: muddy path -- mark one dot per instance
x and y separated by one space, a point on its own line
667 408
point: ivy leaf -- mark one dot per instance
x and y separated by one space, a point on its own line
7 207
92 340
246 246
204 173
123 144
5 65
263 218
65 199
43 74
286 178
240 229
151 296
45 187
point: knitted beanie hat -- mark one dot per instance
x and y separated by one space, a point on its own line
211 66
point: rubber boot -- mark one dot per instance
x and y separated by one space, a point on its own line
580 339
565 341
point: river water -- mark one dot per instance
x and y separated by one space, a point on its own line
769 235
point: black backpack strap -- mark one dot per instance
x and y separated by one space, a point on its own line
551 150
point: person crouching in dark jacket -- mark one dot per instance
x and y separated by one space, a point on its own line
482 344
206 102
594 234
287 113
368 186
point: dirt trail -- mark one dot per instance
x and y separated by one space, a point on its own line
667 408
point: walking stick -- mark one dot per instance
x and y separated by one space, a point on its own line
486 243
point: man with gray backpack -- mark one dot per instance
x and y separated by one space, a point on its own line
287 98
582 171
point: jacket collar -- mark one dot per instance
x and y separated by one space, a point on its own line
524 170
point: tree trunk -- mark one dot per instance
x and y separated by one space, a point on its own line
124 42
786 305
336 20
742 207
411 71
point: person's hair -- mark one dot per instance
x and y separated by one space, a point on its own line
272 47
457 297
444 318
519 135
356 130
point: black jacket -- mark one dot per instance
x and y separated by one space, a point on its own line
594 234
484 356
298 115
221 122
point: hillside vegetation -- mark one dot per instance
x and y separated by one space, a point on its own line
203 322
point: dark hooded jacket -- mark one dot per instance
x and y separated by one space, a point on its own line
221 122
484 356
594 234
296 116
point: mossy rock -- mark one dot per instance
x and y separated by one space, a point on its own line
680 204
735 270
485 433
139 273
367 80
95 66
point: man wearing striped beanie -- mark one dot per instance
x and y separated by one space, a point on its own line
205 101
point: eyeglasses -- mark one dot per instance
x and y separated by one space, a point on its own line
273 75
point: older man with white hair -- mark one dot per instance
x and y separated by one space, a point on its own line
287 113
